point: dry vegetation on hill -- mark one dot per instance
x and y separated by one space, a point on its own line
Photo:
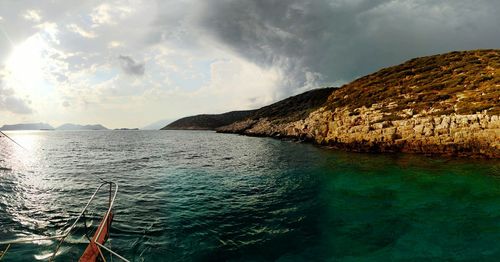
290 109
207 122
295 107
458 82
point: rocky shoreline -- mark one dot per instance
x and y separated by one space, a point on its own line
364 130
445 104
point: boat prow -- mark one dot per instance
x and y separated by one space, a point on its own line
94 250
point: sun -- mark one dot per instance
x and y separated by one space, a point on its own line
25 64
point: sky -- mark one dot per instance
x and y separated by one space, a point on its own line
128 63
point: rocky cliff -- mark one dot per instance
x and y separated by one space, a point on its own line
442 104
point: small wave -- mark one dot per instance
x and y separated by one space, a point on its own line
193 156
47 254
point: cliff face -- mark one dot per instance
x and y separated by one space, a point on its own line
444 104
460 135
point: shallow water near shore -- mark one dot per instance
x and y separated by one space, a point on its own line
203 196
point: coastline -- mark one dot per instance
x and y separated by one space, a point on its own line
475 135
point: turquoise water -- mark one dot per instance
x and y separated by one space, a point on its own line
202 196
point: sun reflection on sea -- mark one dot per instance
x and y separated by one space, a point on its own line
29 140
21 154
30 198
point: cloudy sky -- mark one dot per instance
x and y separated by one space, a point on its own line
130 63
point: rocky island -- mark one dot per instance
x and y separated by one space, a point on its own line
75 127
443 104
27 126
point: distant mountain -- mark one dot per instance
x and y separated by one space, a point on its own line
27 126
81 127
158 124
207 122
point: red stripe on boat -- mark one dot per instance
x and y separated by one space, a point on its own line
91 253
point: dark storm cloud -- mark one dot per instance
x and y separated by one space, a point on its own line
324 41
130 66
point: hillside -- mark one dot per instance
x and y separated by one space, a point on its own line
294 108
27 126
290 109
441 104
81 127
457 82
157 125
207 122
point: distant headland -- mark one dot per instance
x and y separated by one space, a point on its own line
81 127
27 126
207 122
443 104
45 126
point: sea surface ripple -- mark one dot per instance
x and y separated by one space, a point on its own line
203 196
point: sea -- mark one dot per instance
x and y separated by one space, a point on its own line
204 196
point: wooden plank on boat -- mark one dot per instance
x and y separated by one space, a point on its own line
91 253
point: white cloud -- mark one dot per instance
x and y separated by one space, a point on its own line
109 14
50 29
32 15
101 15
14 105
9 102
243 85
115 44
82 32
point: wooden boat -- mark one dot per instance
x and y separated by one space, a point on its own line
94 250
